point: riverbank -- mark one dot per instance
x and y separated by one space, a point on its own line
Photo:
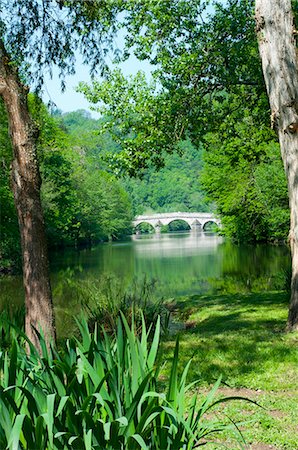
242 338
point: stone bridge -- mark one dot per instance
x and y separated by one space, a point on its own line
195 220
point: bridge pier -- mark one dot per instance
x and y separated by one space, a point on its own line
157 227
196 226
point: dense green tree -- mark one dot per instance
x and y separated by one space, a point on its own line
9 235
35 36
145 125
176 187
243 173
82 203
87 134
104 209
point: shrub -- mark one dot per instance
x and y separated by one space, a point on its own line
102 301
99 393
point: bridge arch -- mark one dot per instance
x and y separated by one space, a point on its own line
145 227
179 224
210 225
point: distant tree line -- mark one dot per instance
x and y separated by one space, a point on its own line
235 171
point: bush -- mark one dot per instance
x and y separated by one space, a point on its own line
99 393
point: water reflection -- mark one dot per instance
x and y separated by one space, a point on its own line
182 263
176 244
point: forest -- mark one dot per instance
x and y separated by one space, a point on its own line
86 202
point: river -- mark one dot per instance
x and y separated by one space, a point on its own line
172 265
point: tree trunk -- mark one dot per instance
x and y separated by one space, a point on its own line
277 46
26 184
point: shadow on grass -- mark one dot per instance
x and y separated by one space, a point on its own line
240 337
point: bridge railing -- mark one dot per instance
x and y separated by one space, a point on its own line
177 216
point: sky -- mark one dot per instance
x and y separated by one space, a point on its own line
70 100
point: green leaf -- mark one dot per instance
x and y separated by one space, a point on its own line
88 440
13 443
140 441
49 417
173 384
154 345
62 403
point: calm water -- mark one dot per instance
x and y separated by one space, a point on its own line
180 263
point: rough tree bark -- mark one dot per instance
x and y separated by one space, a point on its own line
277 46
26 184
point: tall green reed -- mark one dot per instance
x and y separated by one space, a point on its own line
101 392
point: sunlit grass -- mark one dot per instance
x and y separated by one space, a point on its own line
242 338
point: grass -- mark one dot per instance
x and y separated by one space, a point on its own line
241 337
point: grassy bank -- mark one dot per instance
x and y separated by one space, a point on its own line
241 337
